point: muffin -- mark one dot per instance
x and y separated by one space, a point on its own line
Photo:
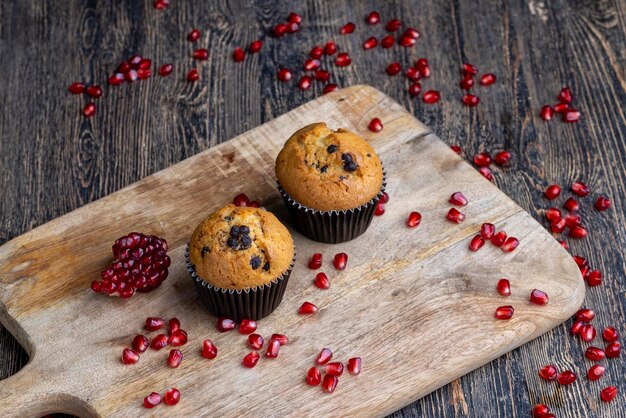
240 259
330 181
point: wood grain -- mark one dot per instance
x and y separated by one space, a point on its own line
51 161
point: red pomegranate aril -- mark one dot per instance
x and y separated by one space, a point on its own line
393 25
455 216
89 110
566 378
324 356
152 400
476 243
548 372
502 158
499 238
580 261
313 377
174 325
154 323
373 18
595 353
330 48
305 82
585 315
482 159
375 125
577 327
329 88
411 33
413 74
580 189
588 333
595 372
457 198
282 339
343 59
414 219
241 200
558 225
239 54
255 341
76 88
316 53
578 231
456 149
594 278
171 396
255 46
469 69
247 326
431 97
486 173
284 74
504 287
165 70
354 365
370 43
553 214
610 334
273 348
330 383
573 219
140 343
194 35
251 359
510 244
340 261
385 197
394 68
565 95
201 54
466 82
571 204
144 64
159 342
540 410
94 91
608 393
561 108
311 64
571 115
193 75
293 27
470 100
335 368
602 204
143 74
129 356
546 113
279 30
315 261
321 281
613 350
487 79
415 89
322 75
116 79
178 338
347 28
553 191
175 358
504 312
161 4
387 41
538 297
131 75
307 308
209 350
294 17
563 243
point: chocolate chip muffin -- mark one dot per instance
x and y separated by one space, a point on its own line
330 181
240 259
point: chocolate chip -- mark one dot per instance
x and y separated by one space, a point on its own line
331 148
255 262
204 251
350 166
266 266
324 169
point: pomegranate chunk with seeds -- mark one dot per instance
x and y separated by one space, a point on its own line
504 312
255 341
510 244
375 125
209 350
335 368
613 350
566 378
340 261
504 287
548 372
313 376
455 216
321 281
152 400
307 308
129 356
330 383
457 198
273 347
553 191
315 261
175 358
247 326
324 356
476 243
595 372
499 238
354 365
538 297
608 393
610 334
171 396
595 353
251 359
140 343
602 204
414 219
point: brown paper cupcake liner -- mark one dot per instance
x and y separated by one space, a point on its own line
253 303
332 226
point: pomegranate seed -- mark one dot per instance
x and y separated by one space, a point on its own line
330 383
307 308
255 46
503 157
540 410
294 17
193 75
423 69
578 231
76 88
393 25
129 356
414 219
393 68
175 358
209 350
558 225
354 365
273 348
373 18
375 125
343 59
466 82
154 323
284 74
225 324
415 89
305 82
316 53
510 244
613 350
385 197
456 149
499 238
571 204
116 79
595 372
311 64
152 400
608 393
131 76
380 209
143 74
89 110
487 79
572 115
566 378
413 74
171 396
370 43
279 30
487 230
140 343
159 342
561 108
174 325
504 287
562 243
610 334
469 69
255 341
94 91
431 96
412 33
553 191
239 54
580 189
161 5
577 328
313 376
483 159
165 70
251 359
455 216
553 214
548 372
538 297
546 113
144 64
315 261
329 88
594 278
322 75
330 48
324 356
340 261
201 54
194 35
321 280
565 95
335 368
594 353
573 220
504 312
247 326
588 333
602 204
476 242
580 261
387 41
486 173
457 198
293 27
347 28
585 315
470 100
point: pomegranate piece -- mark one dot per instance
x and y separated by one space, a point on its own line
594 353
89 110
239 54
293 27
307 308
140 343
161 5
294 18
486 173
546 112
316 53
602 204
343 59
94 91
165 70
76 88
255 341
566 378
152 400
571 204
510 244
311 64
209 350
466 82
255 46
305 82
573 220
370 43
154 323
538 297
131 76
414 219
322 75
504 312
313 376
385 197
193 75
553 191
499 238
457 198
476 243
585 315
413 33
159 342
561 108
580 189
413 74
487 230
321 281
455 216
129 356
553 214
470 100
324 356
487 79
171 396
284 74
279 30
608 393
571 116
247 326
577 327
415 89
373 18
194 35
540 410
273 347
613 350
387 41
578 231
347 28
594 278
175 358
329 88
116 79
375 125
251 359
330 383
393 25
354 365
469 69
558 225
482 159
431 96
174 325
565 95
335 368
201 54
143 74
588 333
315 261
225 324
504 287
595 372
340 261
330 48
502 158
394 68
548 372
610 334
422 66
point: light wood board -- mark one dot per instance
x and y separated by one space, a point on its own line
415 304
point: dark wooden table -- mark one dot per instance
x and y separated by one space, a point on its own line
52 160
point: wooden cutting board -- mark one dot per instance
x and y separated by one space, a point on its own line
415 304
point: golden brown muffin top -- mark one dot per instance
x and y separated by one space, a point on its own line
240 247
329 170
